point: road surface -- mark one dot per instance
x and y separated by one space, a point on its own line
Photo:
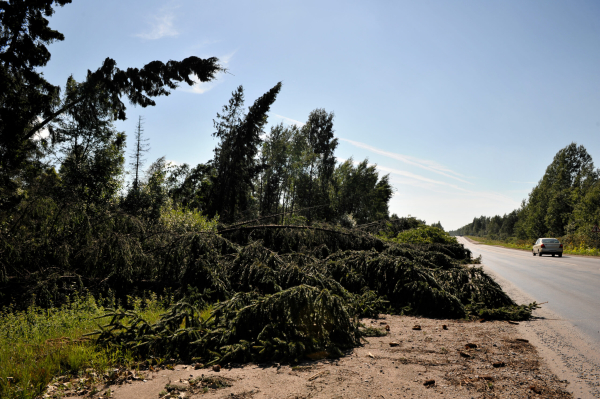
566 330
570 285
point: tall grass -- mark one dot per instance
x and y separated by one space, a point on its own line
38 344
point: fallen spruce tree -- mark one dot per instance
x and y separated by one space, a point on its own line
286 292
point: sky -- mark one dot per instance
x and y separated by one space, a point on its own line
463 103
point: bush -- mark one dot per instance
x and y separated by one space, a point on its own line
425 235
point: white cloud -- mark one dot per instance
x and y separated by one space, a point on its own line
411 176
200 87
161 26
418 177
41 134
440 187
434 185
224 60
289 120
431 166
174 163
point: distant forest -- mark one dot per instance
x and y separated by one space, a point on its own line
565 203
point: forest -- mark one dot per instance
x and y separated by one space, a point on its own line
271 250
564 204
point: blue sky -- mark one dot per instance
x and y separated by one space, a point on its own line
463 103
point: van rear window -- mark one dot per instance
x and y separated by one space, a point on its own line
550 241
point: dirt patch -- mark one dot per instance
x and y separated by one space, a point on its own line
430 362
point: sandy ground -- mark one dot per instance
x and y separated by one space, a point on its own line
425 363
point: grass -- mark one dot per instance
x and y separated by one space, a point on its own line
567 248
37 344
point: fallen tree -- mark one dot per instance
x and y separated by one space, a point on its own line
290 292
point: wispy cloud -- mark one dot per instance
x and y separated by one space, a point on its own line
203 87
435 185
162 25
418 177
440 187
290 120
431 166
410 175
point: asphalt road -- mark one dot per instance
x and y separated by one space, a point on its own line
570 285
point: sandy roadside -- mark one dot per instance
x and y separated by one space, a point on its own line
377 369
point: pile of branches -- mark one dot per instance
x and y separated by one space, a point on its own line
286 292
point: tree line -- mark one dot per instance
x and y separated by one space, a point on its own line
565 203
255 174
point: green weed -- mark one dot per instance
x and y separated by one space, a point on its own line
37 345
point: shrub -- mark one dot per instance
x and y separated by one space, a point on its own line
425 235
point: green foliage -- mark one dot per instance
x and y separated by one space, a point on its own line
299 172
425 235
38 344
288 325
511 312
291 289
358 191
235 163
289 292
183 220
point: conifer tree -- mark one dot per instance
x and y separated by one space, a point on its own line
235 160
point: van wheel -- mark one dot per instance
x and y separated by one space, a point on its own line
560 255
553 255
533 253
